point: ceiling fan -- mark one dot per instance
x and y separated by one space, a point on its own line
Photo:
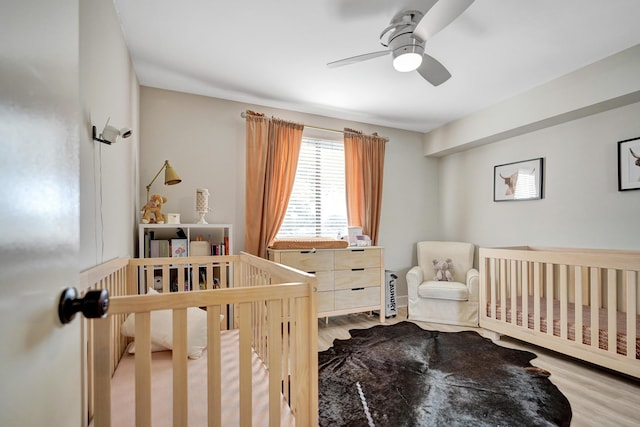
406 36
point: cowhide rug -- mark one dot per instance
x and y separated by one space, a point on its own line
402 375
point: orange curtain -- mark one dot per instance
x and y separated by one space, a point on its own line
364 170
273 147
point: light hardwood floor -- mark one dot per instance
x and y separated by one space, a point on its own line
598 397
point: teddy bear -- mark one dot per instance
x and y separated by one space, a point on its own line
443 270
153 208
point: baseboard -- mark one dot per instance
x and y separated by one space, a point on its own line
402 300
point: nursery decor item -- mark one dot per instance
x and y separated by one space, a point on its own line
173 218
518 181
152 210
170 176
629 164
202 204
403 375
443 270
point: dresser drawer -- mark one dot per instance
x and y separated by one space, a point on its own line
358 297
308 261
357 278
325 280
325 301
357 258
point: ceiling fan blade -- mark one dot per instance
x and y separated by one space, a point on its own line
358 58
439 16
433 71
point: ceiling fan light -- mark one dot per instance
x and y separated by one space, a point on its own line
407 62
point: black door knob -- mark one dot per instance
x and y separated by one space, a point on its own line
93 305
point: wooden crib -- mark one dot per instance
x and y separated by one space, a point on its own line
580 302
267 310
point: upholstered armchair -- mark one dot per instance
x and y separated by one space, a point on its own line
452 302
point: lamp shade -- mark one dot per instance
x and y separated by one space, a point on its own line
171 176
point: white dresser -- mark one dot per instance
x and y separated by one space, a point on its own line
350 280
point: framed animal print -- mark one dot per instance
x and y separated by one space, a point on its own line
629 164
518 180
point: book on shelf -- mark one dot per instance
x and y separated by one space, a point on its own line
219 249
178 247
154 248
159 248
165 248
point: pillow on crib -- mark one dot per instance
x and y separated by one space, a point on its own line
162 330
131 349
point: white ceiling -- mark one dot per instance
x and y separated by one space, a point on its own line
274 53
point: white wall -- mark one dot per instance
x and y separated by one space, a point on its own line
582 206
204 140
609 83
574 124
108 173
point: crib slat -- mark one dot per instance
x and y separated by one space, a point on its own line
194 274
166 286
286 343
514 292
210 275
149 273
525 295
612 310
549 296
563 301
223 276
483 269
179 356
492 274
244 320
578 284
632 284
302 354
536 296
143 369
181 286
595 306
277 381
102 376
503 290
214 367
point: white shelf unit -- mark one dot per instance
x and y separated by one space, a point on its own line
213 233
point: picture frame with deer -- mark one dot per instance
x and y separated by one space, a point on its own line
629 164
518 181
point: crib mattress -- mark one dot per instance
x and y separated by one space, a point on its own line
603 332
123 393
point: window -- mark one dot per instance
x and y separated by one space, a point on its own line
318 205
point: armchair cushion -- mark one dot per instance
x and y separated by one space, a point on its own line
444 290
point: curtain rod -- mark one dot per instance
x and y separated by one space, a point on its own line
244 115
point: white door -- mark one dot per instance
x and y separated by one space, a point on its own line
39 212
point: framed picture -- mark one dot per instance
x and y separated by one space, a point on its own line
518 181
629 164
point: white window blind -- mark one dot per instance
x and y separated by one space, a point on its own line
318 205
